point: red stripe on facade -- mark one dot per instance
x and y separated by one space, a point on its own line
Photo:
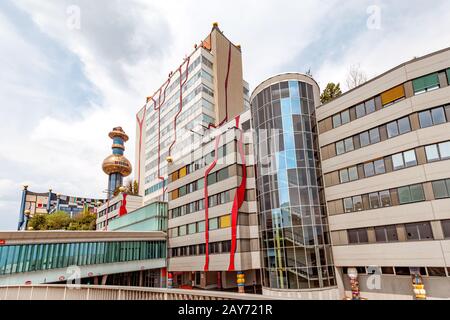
123 207
212 165
238 198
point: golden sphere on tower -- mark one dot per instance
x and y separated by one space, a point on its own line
117 163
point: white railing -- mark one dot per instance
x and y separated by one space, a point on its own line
90 292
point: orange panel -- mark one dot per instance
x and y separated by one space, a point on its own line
392 95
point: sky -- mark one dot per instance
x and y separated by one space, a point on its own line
74 69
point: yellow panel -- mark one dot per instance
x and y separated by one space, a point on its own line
174 176
182 172
392 95
175 194
225 221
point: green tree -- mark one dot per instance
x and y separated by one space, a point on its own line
135 188
330 92
59 220
38 222
85 221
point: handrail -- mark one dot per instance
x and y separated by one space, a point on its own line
99 292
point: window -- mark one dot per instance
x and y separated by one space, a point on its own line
411 194
436 272
226 246
403 125
379 166
192 228
360 111
386 234
222 174
419 231
374 135
410 158
438 115
201 226
213 224
374 200
337 121
370 106
225 221
392 95
348 144
446 228
364 139
348 205
426 83
440 189
357 203
353 173
425 119
369 169
182 231
392 129
397 161
340 149
432 153
175 232
357 236
345 117
343 174
444 150
385 198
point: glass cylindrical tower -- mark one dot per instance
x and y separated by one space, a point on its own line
295 242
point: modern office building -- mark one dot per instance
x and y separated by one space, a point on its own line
385 149
169 125
295 243
49 202
152 217
213 222
116 166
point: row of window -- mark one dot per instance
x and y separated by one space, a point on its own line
200 249
401 160
212 178
417 231
35 257
222 222
281 90
109 209
156 187
386 198
420 85
392 129
403 271
214 200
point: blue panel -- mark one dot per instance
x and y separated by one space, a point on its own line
286 107
291 160
282 179
293 89
295 106
284 197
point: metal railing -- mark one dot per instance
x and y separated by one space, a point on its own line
92 292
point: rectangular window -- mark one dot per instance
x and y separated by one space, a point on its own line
353 173
397 161
379 166
404 125
348 144
364 139
410 158
419 231
374 200
425 119
426 83
356 236
357 203
432 153
337 121
360 110
385 198
444 150
369 169
345 117
192 228
404 195
370 106
417 193
438 115
213 224
440 189
446 228
348 205
225 222
182 230
201 226
392 129
343 174
374 135
340 149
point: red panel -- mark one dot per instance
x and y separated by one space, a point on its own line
238 199
123 208
213 164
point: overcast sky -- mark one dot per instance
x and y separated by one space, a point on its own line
62 88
